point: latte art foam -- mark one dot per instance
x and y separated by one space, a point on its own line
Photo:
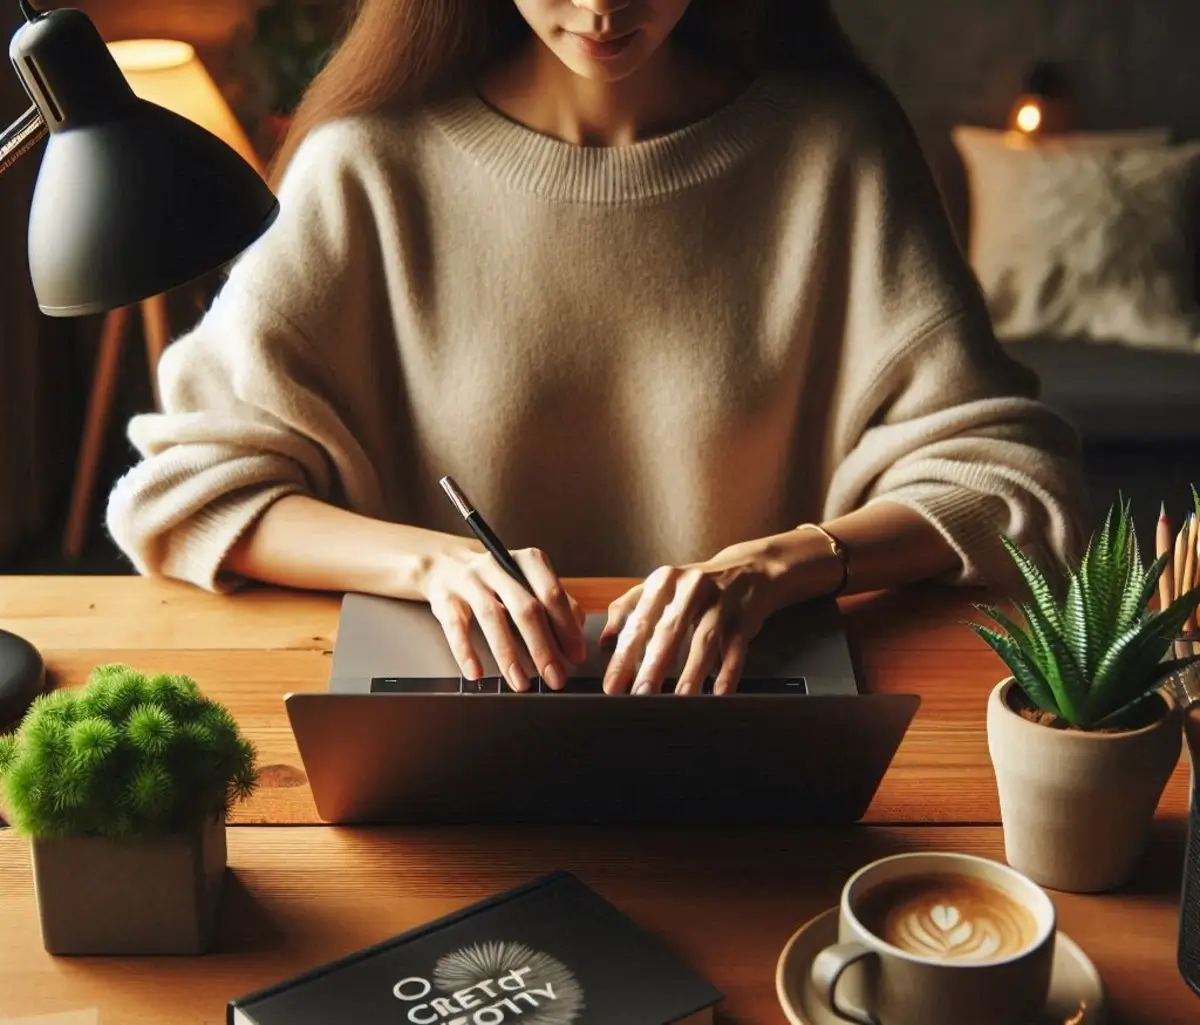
948 918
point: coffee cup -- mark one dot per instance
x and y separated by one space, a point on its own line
939 939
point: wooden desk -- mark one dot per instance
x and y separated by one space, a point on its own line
302 895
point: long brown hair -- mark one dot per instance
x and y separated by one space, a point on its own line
401 51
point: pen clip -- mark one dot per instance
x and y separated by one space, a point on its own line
455 494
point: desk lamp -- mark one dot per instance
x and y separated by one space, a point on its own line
131 200
169 73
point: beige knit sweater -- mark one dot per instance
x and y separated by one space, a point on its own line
627 356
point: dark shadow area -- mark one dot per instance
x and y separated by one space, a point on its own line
244 926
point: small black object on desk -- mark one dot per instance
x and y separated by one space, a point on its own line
22 677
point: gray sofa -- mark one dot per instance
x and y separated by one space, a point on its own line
1117 395
1138 415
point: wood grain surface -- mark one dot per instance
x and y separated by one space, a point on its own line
727 903
249 649
727 900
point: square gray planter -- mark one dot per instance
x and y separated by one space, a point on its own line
98 895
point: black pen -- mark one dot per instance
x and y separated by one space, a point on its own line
481 530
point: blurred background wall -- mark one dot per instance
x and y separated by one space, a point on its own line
1129 63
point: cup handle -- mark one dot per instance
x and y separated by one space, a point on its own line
827 970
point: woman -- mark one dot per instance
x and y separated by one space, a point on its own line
665 286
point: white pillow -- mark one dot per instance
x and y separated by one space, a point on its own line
977 136
1087 236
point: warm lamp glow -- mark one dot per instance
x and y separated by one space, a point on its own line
1044 105
144 55
1029 117
168 72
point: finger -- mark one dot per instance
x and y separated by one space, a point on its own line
730 673
579 614
567 627
618 613
533 626
693 593
637 629
528 670
455 616
492 617
704 653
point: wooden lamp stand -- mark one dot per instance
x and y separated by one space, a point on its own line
157 329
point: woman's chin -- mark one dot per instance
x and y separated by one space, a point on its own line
599 63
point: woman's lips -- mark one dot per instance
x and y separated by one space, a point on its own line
604 49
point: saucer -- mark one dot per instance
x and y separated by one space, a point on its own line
1076 990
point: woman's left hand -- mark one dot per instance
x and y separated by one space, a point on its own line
722 603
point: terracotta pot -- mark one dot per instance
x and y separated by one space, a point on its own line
98 895
1077 807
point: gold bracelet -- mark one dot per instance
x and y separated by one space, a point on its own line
839 550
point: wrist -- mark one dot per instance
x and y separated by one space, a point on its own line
419 556
791 567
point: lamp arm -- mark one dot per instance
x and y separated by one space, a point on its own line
20 137
29 129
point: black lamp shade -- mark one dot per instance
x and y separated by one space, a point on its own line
131 199
152 200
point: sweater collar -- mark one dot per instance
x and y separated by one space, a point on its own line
528 161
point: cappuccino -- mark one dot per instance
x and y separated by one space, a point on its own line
948 917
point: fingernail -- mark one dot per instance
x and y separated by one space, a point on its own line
554 676
516 678
642 688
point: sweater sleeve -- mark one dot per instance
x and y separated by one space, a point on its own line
251 407
935 414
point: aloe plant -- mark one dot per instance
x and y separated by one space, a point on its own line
1091 649
126 755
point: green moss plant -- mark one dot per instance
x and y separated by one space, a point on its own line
127 755
1091 650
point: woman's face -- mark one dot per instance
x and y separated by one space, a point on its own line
604 40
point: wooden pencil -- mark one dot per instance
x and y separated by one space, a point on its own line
1162 546
1180 541
1189 558
1192 573
1188 580
1181 648
1167 581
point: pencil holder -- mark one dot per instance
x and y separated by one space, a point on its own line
1189 904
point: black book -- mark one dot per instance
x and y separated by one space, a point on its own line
550 952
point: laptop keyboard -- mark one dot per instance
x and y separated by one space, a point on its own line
575 685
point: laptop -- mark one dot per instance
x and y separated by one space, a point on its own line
401 737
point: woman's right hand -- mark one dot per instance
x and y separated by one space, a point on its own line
529 634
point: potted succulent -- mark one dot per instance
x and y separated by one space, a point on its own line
123 787
1085 733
